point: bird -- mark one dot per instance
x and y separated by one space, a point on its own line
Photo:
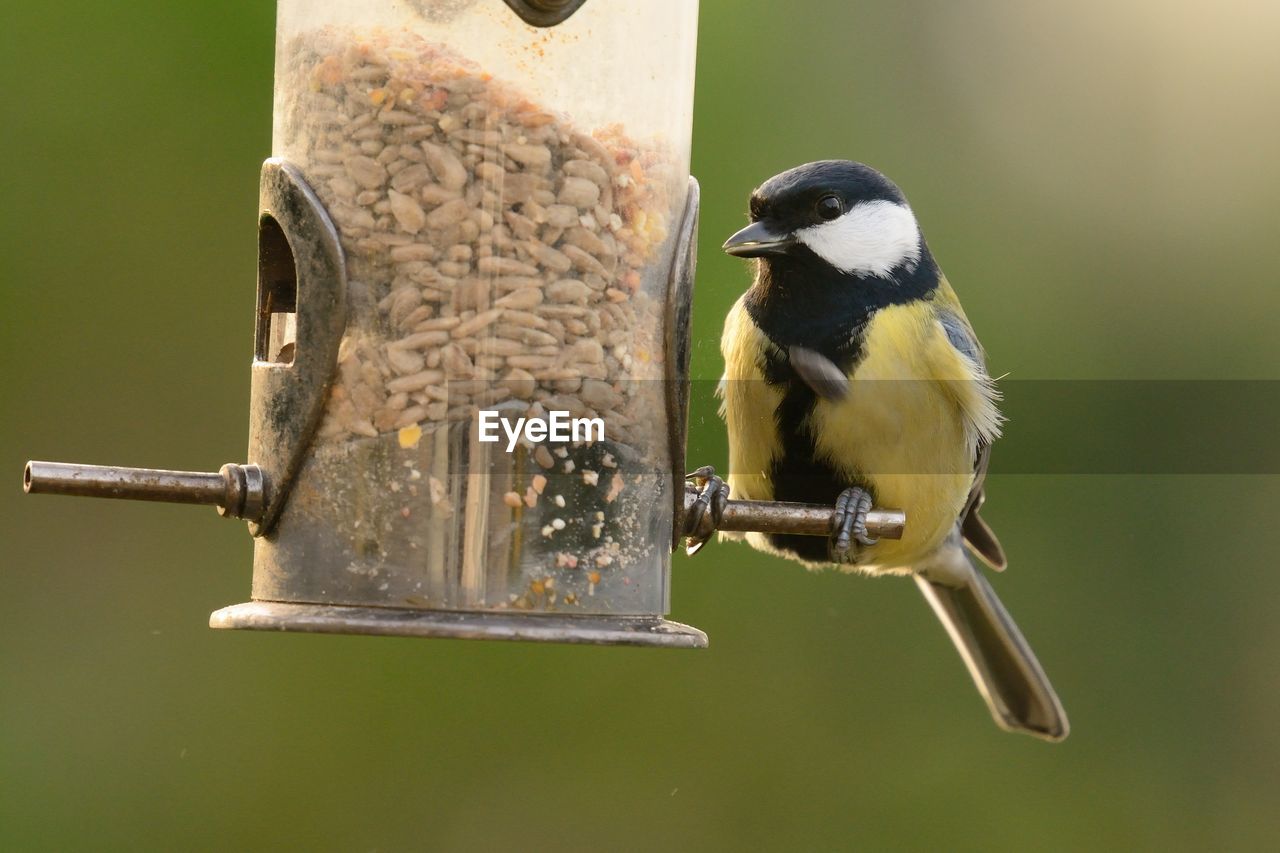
853 376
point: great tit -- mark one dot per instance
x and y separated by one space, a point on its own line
853 375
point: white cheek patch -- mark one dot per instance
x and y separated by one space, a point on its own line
872 238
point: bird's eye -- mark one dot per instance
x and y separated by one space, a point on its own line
829 207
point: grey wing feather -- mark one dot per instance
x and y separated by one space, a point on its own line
961 337
977 535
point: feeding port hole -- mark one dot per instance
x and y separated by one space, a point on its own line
277 331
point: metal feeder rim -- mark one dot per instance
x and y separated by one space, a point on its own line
461 625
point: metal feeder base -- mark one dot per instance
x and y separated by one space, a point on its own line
395 622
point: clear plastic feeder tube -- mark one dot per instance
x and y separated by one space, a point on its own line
506 197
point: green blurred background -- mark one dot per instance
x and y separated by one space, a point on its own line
1100 181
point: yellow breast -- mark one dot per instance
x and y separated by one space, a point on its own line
907 428
747 406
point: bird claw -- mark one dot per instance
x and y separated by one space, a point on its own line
707 510
849 523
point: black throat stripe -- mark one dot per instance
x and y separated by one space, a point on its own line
801 300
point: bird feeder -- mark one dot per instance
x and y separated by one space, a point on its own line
475 212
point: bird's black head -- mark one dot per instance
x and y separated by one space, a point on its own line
835 211
836 242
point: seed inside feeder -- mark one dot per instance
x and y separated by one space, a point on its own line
499 256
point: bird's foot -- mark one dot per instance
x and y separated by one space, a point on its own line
849 523
704 516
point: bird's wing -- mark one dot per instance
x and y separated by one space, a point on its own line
961 336
977 535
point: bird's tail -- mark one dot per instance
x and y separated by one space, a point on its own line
1004 668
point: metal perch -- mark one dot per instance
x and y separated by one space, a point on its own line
238 491
802 519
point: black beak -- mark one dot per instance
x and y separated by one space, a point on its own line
757 240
